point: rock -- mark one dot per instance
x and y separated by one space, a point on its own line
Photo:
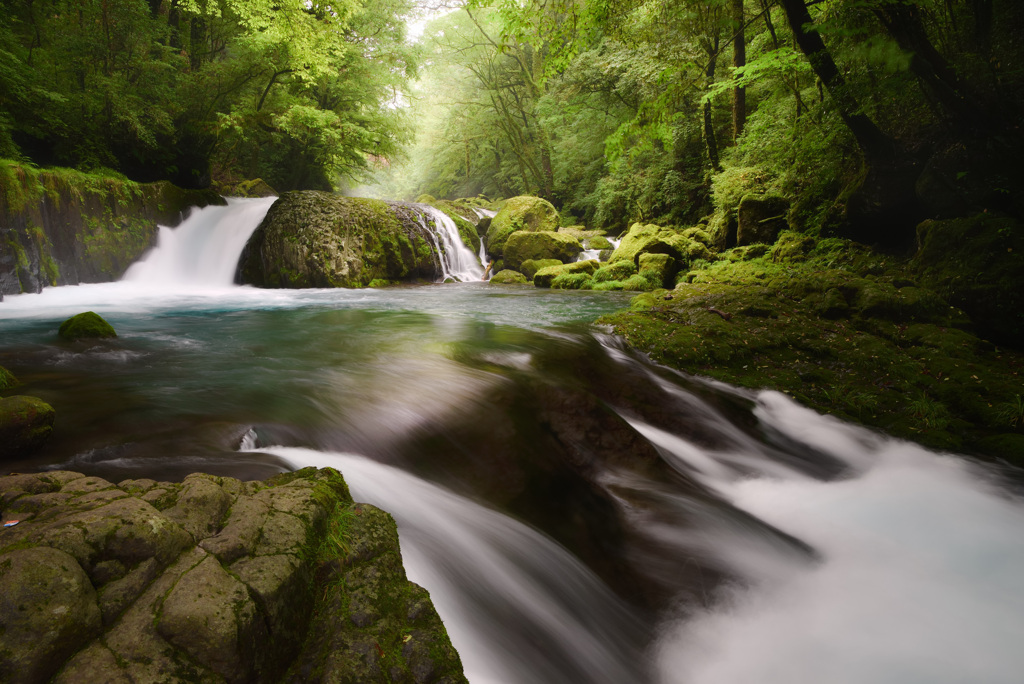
530 267
86 326
792 247
545 276
525 246
25 425
597 242
659 269
508 277
615 271
256 187
520 213
652 239
317 239
761 218
237 607
48 611
572 281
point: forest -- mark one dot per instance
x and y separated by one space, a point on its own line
869 115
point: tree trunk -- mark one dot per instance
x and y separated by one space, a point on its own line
710 142
875 145
739 59
903 23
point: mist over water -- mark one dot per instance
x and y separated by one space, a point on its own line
764 543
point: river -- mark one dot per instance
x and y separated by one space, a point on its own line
577 513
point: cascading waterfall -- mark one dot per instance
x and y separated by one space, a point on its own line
458 262
202 251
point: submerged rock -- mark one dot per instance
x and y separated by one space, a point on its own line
317 239
86 326
213 579
25 425
520 213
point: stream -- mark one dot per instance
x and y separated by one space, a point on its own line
577 513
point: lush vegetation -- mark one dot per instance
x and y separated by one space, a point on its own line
298 93
863 112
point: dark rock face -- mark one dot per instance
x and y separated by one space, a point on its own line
86 326
761 219
66 228
25 425
212 579
317 239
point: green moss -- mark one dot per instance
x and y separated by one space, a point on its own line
572 281
7 379
88 325
545 276
530 267
508 277
615 271
520 213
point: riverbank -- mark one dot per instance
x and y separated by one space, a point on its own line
852 333
210 579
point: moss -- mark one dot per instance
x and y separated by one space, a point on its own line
530 267
509 277
88 325
520 213
7 379
572 281
540 245
643 239
607 285
618 270
838 342
545 276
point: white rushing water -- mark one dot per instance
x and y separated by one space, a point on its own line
517 606
203 251
921 577
458 262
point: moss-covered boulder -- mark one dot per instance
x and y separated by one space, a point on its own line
659 269
546 276
256 187
508 277
85 326
573 281
530 267
652 239
760 219
7 379
25 425
317 239
597 242
977 264
616 270
209 580
526 246
520 213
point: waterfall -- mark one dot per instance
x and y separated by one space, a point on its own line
458 262
203 251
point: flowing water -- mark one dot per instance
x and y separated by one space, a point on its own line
577 513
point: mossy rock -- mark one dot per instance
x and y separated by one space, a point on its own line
545 276
526 246
520 213
659 269
652 239
792 247
572 281
530 267
638 283
25 425
760 219
318 239
7 379
597 242
509 277
86 326
616 270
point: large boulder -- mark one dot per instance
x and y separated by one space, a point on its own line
546 276
85 326
530 267
317 239
761 218
683 246
508 277
525 246
25 425
210 580
520 213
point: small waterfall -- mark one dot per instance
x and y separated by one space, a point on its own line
588 254
203 251
457 260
